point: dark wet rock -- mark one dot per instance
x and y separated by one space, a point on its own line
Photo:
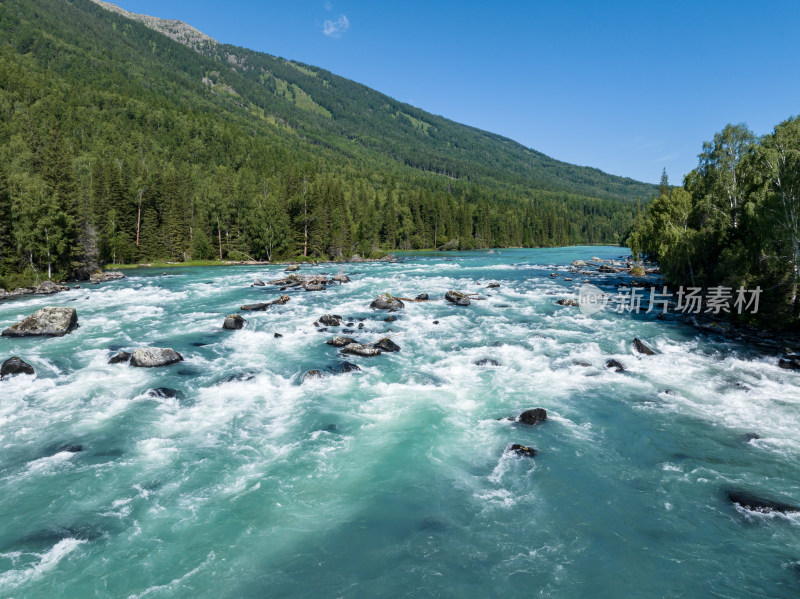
533 416
340 341
322 330
642 348
754 503
150 357
292 268
103 277
789 364
487 362
386 345
50 322
391 318
200 344
14 366
493 285
554 274
361 350
348 331
503 305
422 297
457 298
312 374
277 335
119 358
258 283
616 364
360 325
522 450
350 324
349 367
568 301
49 287
331 320
72 448
747 437
670 392
234 322
164 393
255 307
386 302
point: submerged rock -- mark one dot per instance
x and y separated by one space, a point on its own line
312 374
435 322
386 302
15 365
350 367
361 350
277 335
642 348
522 450
387 345
50 322
331 320
533 416
164 393
616 364
789 364
754 503
486 362
340 341
149 357
122 356
234 322
49 287
568 301
422 297
390 318
457 298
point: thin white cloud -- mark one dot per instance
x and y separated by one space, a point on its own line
336 28
328 6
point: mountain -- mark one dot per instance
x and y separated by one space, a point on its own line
128 137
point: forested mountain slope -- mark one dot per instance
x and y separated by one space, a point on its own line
119 143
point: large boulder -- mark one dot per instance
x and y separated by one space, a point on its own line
457 298
48 287
102 277
341 341
331 320
386 302
292 268
533 416
361 350
642 348
14 366
150 357
234 322
387 345
51 322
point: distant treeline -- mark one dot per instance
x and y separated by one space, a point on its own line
735 222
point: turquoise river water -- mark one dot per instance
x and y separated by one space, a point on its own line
392 481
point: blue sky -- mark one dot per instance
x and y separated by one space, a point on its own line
627 87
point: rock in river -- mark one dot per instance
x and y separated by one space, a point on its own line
457 298
331 320
340 341
14 366
234 322
522 450
49 287
386 302
361 350
533 416
615 364
422 297
122 356
486 362
387 345
292 268
754 503
349 367
149 357
102 277
568 301
51 322
258 283
312 374
642 348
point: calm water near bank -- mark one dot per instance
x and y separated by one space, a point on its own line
392 481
